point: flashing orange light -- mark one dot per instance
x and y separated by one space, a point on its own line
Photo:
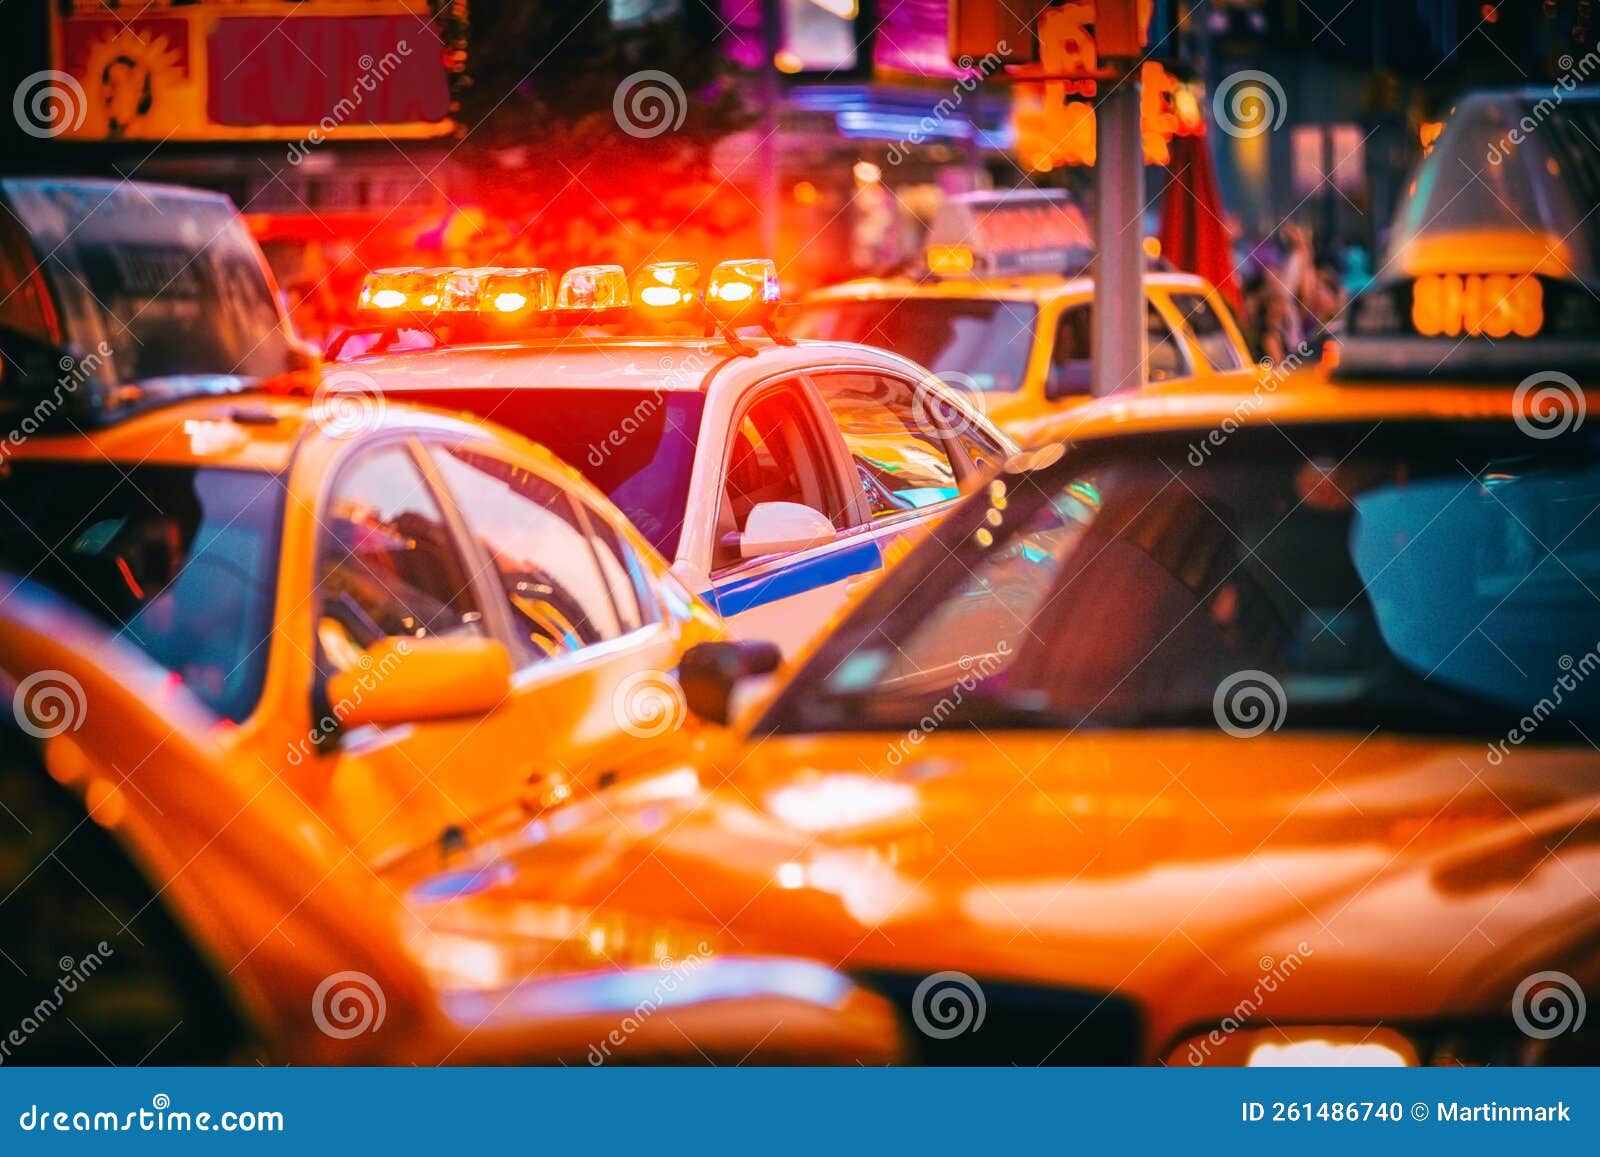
950 260
1152 248
1495 305
743 292
512 292
668 288
409 287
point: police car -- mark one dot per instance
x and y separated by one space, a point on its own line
273 659
775 475
1004 307
1231 726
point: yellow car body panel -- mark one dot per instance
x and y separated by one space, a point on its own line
287 864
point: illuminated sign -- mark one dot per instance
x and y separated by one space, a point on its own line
1497 305
251 70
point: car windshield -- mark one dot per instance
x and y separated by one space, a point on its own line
976 343
636 445
180 561
1420 576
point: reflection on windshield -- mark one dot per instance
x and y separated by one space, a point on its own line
180 561
1427 578
976 343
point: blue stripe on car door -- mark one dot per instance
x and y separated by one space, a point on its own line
808 574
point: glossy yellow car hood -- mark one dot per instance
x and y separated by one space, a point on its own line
1407 877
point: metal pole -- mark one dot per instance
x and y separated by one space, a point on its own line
771 94
1119 241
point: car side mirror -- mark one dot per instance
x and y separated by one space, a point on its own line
781 527
414 680
708 673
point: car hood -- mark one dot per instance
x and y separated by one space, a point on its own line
1398 879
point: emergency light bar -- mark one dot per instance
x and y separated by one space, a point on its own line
736 293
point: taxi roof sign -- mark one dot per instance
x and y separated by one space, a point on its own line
1497 276
1012 232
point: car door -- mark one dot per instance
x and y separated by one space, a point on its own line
781 449
451 539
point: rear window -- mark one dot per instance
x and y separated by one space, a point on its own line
636 446
170 282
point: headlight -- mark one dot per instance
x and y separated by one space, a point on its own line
1341 1046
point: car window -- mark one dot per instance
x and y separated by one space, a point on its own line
1164 358
556 593
774 457
895 433
387 564
1071 358
625 573
1209 332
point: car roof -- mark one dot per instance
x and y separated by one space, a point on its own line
582 361
1248 400
1034 287
250 430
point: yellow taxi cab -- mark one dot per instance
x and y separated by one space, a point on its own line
1232 727
1004 307
277 664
